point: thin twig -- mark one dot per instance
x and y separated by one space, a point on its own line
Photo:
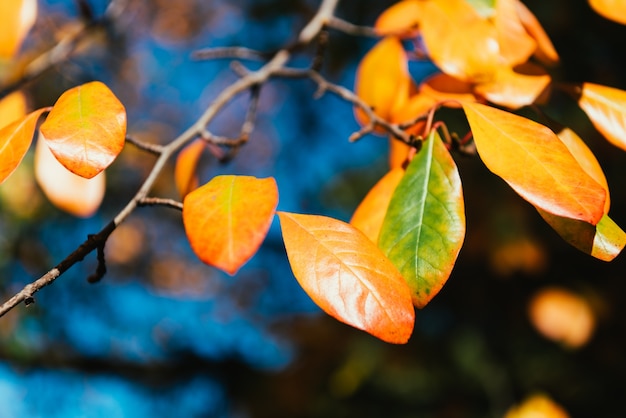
228 52
159 201
155 149
352 29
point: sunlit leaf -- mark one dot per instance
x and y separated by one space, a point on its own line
382 79
545 50
369 215
516 45
514 89
348 276
227 219
12 108
424 227
606 108
401 18
447 90
86 129
614 10
563 316
459 41
537 406
15 139
18 17
185 170
535 163
73 194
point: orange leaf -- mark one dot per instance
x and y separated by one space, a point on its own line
382 79
73 194
606 108
185 169
460 42
18 17
514 89
369 215
537 406
401 18
15 139
444 88
348 276
516 45
227 219
535 163
86 129
545 50
614 10
12 108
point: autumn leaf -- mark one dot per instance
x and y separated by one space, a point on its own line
514 89
614 10
545 51
347 276
606 108
73 194
15 139
369 215
185 169
227 219
424 227
535 163
86 129
459 41
447 90
400 19
516 45
537 406
382 79
18 17
12 108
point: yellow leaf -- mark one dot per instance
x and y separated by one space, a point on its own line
514 89
12 108
614 10
348 276
18 17
86 129
400 19
73 194
516 45
537 406
606 108
227 219
545 51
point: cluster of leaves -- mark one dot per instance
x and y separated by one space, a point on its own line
402 242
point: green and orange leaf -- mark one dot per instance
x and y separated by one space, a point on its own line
606 108
15 139
347 276
185 175
18 17
614 10
369 215
73 194
227 219
86 129
382 79
535 163
424 226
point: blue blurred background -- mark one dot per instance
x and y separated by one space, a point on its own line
163 335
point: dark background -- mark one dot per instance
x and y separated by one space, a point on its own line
164 335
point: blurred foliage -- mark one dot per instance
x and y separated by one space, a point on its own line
164 335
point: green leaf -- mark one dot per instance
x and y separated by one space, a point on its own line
424 227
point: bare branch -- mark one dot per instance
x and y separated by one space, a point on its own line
158 201
352 29
228 52
144 146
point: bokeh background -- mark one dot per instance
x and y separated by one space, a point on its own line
163 335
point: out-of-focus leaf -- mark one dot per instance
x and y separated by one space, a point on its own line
12 108
86 128
545 51
447 90
459 41
73 194
185 175
424 227
400 19
382 79
537 406
562 316
18 17
227 219
514 89
15 139
614 10
516 45
606 108
535 163
348 276
369 215
399 152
